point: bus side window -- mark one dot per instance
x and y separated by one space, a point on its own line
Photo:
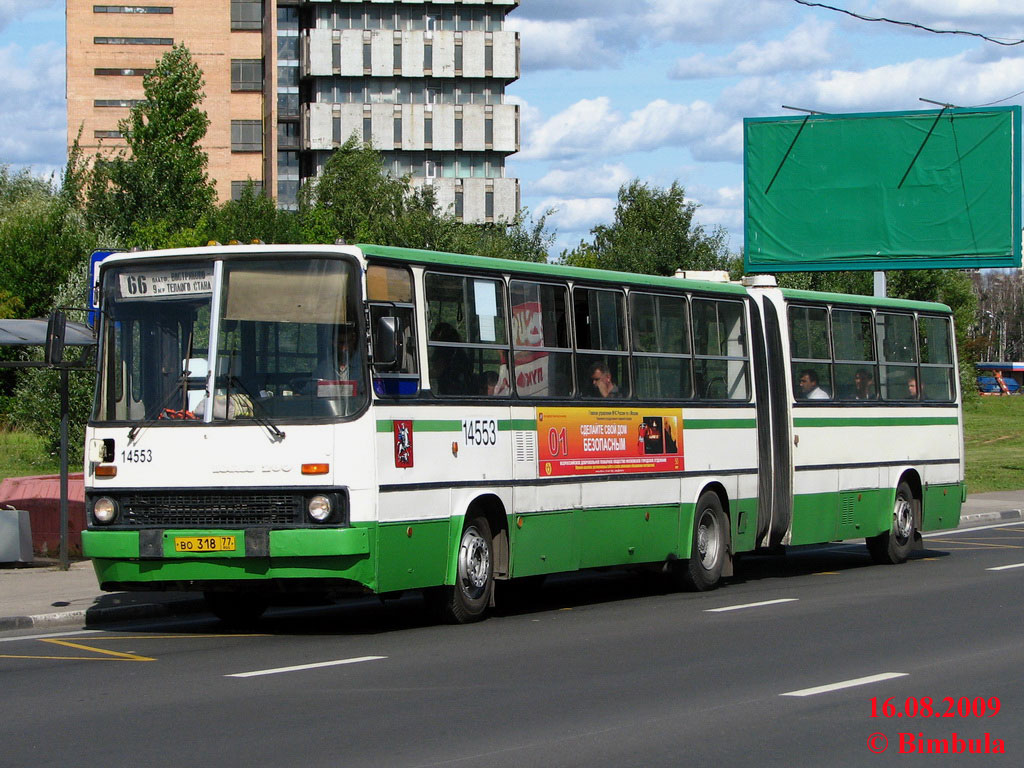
468 343
720 350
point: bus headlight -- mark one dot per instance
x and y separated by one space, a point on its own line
104 509
320 508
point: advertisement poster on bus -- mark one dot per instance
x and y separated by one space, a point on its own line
598 441
531 366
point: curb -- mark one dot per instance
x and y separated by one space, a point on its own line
980 517
93 616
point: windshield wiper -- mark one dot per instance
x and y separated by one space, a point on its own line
263 421
182 384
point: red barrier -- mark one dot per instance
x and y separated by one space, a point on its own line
40 495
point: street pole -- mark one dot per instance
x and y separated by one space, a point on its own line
64 561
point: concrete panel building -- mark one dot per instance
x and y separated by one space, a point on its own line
288 81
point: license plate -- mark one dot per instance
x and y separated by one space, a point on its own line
204 544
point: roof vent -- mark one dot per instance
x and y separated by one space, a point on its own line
758 281
709 275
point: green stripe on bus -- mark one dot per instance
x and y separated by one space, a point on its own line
880 421
446 425
719 423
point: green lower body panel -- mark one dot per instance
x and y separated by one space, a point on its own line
154 559
412 555
941 506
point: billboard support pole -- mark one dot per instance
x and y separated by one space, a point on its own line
880 285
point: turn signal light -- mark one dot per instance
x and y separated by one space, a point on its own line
316 469
106 470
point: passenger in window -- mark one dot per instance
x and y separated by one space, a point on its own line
809 389
914 389
863 385
601 378
345 365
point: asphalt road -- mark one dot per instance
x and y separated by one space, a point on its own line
602 669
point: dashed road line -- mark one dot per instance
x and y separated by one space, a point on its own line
302 667
846 684
751 605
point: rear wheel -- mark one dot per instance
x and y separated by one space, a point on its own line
893 546
236 609
709 547
467 600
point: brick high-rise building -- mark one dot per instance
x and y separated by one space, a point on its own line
287 81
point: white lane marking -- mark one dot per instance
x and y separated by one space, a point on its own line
846 684
751 605
300 667
50 634
954 531
1006 567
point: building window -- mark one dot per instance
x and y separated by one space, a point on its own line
133 40
459 204
288 48
288 135
246 136
287 75
246 14
489 205
489 58
132 9
367 56
246 74
458 57
336 129
428 56
458 131
398 57
428 130
336 56
489 130
129 103
287 18
398 130
107 135
238 187
109 72
288 104
367 130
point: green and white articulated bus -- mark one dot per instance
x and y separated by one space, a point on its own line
364 419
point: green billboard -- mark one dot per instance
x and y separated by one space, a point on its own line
892 190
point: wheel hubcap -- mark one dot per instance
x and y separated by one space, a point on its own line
474 563
708 540
903 518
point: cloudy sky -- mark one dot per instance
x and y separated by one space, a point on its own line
649 89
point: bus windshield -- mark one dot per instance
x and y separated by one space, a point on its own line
287 342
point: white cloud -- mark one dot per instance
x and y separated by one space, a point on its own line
603 180
898 86
15 10
591 126
572 44
33 120
806 46
579 214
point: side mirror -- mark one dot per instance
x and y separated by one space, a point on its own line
55 329
386 342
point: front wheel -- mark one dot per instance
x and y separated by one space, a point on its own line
467 600
893 546
709 547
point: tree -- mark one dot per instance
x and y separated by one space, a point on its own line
164 177
653 233
353 199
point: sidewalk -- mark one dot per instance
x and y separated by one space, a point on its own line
41 595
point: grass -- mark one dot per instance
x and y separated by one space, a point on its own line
22 453
993 435
994 441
